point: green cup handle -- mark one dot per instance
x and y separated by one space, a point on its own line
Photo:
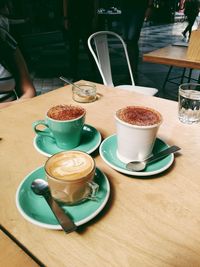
45 132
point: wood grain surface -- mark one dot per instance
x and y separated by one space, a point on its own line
11 255
173 56
150 221
193 52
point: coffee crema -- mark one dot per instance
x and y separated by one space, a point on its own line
140 116
65 112
70 165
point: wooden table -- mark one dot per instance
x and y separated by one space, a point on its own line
171 55
11 255
146 222
175 56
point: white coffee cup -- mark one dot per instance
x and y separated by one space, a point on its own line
136 128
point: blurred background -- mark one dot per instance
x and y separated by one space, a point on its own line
47 54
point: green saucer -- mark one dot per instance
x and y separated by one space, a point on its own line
108 152
90 141
35 209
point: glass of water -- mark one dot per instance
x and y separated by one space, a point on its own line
189 103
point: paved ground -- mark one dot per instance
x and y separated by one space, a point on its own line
49 60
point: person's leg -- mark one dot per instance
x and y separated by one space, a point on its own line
85 34
133 21
185 30
74 36
191 21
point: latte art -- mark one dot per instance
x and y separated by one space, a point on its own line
70 165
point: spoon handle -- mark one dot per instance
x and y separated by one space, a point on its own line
67 81
65 221
163 153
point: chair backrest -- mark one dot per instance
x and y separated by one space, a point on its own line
102 54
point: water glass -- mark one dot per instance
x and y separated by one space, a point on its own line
189 103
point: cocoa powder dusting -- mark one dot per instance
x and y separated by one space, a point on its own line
141 116
65 112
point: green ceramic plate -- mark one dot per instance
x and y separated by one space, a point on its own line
35 209
90 141
108 153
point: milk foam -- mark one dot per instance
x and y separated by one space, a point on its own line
70 165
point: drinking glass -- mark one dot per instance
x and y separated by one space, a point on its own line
189 103
84 92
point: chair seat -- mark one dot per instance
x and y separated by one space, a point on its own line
139 89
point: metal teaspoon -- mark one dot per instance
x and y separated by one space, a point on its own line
67 81
141 165
40 187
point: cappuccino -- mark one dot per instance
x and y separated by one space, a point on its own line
65 112
141 116
136 128
70 176
64 124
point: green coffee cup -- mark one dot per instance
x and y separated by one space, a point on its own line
65 129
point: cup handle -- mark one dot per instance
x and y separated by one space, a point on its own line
94 189
45 132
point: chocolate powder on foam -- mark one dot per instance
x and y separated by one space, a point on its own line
140 116
65 112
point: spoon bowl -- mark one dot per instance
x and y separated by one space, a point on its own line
141 165
39 186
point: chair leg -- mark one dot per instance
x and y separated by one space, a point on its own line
183 75
166 79
190 74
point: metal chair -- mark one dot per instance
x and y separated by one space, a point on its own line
102 59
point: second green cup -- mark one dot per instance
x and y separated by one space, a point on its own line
64 123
